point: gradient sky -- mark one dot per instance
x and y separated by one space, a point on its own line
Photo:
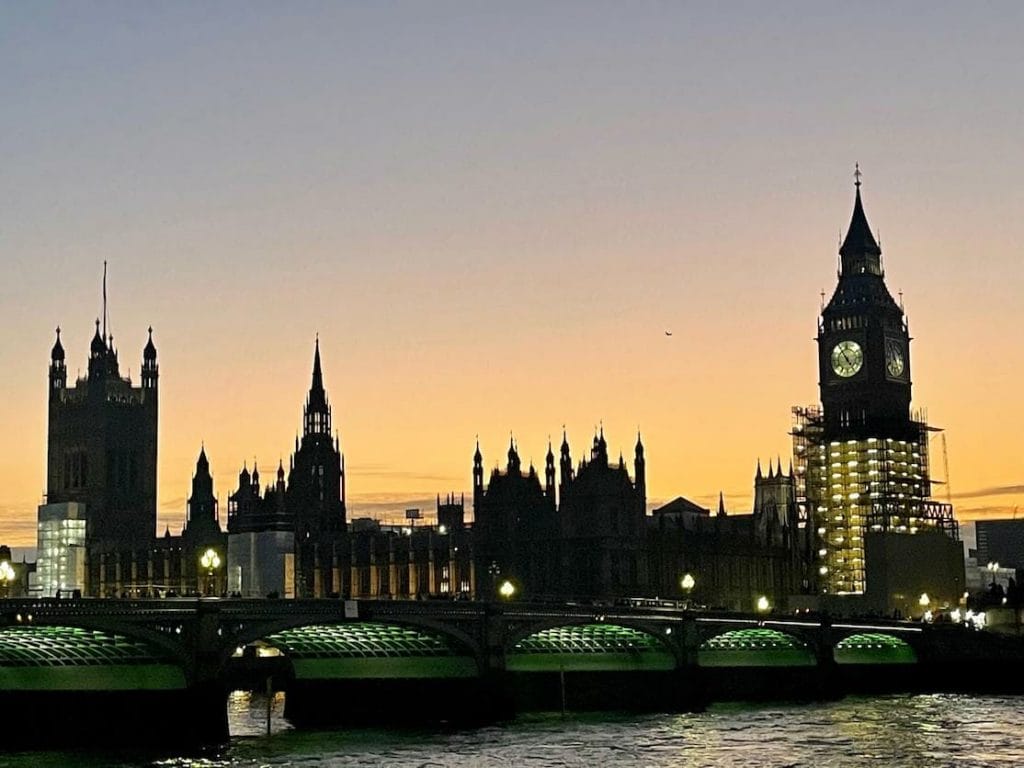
491 213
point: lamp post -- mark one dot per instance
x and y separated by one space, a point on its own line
211 562
7 575
993 568
687 583
507 590
493 570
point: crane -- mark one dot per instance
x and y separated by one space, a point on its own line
945 467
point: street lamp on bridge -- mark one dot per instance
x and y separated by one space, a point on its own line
7 575
687 583
210 562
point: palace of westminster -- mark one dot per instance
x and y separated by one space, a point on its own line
849 522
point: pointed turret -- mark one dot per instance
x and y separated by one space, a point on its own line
513 457
565 463
149 351
57 353
201 520
549 473
478 477
97 348
150 370
758 476
640 469
58 370
721 504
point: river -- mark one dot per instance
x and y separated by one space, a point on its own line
890 731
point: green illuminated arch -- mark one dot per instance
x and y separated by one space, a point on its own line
874 648
370 650
754 647
73 659
589 648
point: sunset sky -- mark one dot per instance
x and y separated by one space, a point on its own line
491 213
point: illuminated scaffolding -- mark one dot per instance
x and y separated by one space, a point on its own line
847 487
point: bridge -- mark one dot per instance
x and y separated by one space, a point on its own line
165 666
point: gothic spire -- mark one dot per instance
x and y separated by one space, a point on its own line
318 413
860 252
317 386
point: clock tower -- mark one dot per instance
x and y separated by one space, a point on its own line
861 459
863 344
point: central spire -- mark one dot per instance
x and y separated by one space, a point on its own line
318 412
318 375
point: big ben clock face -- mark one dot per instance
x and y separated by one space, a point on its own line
895 359
847 358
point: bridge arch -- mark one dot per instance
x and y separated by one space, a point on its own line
366 650
592 646
874 648
755 647
45 657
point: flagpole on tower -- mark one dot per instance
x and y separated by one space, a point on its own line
104 300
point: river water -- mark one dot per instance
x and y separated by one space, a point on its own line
882 732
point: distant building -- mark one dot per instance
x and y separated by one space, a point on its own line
414 562
1000 541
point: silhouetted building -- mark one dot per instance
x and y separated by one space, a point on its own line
315 498
602 515
514 528
202 534
290 539
733 558
586 540
102 453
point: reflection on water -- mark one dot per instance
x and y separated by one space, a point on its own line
893 731
248 715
